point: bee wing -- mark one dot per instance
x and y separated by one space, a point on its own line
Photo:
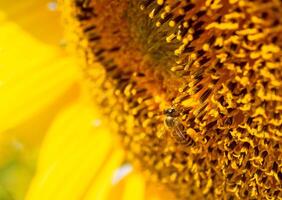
179 131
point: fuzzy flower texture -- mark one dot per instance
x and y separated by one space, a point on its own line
141 99
194 88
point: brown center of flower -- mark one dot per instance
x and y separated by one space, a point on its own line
195 89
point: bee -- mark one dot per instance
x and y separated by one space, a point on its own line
177 129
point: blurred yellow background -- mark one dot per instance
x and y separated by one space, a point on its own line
25 26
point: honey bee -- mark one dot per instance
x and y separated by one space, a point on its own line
177 129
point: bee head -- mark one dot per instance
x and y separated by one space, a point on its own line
171 112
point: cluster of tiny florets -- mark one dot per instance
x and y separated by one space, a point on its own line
194 88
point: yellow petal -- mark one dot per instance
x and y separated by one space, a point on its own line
32 75
33 15
134 187
136 184
19 144
73 153
102 183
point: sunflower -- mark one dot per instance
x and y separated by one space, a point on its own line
141 99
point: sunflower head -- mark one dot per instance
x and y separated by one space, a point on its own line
193 88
